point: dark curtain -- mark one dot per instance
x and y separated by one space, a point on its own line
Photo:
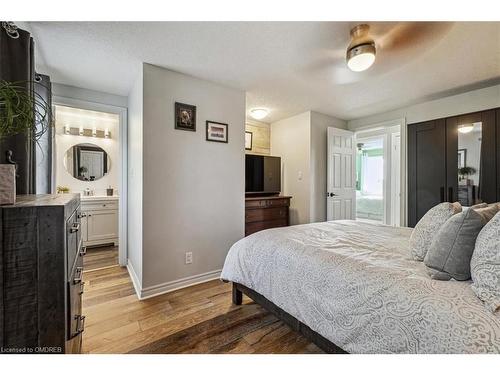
43 148
17 64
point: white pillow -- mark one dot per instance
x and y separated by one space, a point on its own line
485 264
428 226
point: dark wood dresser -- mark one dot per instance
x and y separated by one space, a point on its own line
266 212
41 265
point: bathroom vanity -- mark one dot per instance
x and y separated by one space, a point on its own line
99 219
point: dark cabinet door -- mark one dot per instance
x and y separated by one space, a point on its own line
426 167
489 147
478 148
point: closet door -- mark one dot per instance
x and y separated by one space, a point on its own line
471 144
426 167
489 148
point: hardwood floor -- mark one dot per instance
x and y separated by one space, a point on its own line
100 257
198 319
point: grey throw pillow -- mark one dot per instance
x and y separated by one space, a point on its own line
428 226
451 250
485 264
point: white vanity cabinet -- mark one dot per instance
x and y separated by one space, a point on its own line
99 220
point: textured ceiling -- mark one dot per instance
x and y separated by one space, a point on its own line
288 67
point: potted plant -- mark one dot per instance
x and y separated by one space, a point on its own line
464 174
22 111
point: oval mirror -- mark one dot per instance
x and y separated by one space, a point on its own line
87 162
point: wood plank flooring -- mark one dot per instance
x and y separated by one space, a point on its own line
198 319
100 257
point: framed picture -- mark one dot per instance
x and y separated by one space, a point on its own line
185 117
248 140
462 158
216 132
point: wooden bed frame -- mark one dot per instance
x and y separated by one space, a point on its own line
296 325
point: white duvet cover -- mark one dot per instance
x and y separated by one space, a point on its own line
356 284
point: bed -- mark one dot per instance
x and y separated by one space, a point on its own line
369 207
353 286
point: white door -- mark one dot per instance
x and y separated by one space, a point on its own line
341 175
396 180
102 225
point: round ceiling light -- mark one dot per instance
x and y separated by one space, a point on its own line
259 113
361 51
467 128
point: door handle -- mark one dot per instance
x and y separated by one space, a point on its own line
441 192
450 195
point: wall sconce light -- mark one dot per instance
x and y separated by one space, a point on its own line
86 132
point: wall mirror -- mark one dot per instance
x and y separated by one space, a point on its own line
469 163
87 162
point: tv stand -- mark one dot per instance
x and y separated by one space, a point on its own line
265 212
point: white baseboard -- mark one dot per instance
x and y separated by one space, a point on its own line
170 286
135 280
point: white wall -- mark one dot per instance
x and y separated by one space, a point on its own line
135 181
290 140
78 93
193 189
301 142
472 101
64 142
319 125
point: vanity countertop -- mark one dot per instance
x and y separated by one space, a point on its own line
99 198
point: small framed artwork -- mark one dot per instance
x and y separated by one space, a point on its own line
248 140
217 132
185 117
462 158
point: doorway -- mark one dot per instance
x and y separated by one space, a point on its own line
378 178
370 171
90 158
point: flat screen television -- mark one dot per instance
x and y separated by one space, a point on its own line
262 174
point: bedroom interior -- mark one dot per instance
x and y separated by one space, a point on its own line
250 187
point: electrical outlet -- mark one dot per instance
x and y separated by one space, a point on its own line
189 257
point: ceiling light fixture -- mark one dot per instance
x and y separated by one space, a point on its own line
466 128
361 51
259 113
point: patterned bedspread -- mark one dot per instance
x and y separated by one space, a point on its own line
356 284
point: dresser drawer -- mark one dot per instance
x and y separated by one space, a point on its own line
261 203
255 203
75 291
101 205
265 214
277 203
73 239
261 225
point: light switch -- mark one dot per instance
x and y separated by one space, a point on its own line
300 175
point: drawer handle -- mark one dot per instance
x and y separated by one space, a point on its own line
78 277
83 251
74 228
82 287
80 326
